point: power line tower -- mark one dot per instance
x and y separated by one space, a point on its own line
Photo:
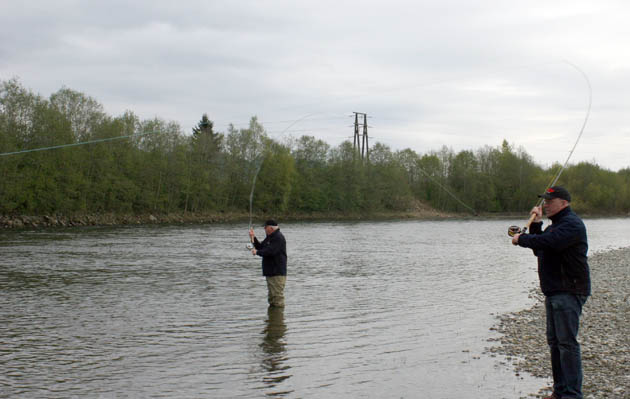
361 141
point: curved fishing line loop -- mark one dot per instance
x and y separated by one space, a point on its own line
262 159
554 180
297 121
448 192
77 144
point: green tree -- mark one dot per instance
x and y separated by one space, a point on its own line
275 180
83 112
244 156
387 184
204 187
347 179
311 181
206 143
428 187
159 169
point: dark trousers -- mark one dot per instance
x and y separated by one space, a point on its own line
563 322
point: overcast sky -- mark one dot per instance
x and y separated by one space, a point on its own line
457 73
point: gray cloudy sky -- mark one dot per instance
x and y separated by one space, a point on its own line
458 73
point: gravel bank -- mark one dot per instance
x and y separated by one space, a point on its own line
604 332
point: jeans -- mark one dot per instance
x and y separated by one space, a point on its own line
563 322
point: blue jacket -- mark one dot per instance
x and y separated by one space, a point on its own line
562 254
273 250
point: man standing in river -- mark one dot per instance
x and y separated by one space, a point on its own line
565 280
273 250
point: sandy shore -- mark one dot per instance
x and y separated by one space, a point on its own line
604 332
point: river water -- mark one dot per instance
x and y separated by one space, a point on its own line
394 309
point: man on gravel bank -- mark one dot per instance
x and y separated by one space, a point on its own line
565 280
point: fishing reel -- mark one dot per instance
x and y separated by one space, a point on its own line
250 246
514 230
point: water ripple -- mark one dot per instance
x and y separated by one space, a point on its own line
378 309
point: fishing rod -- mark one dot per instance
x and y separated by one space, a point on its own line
250 245
513 230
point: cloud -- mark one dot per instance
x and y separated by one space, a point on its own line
456 73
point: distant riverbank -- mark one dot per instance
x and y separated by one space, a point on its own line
603 331
110 219
419 212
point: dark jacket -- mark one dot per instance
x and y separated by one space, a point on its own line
561 250
273 250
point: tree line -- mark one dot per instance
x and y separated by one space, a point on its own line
140 166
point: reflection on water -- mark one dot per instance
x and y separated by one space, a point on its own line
374 309
274 360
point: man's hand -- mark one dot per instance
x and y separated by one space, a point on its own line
515 239
537 211
251 234
254 251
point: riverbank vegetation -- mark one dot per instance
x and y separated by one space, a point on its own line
134 166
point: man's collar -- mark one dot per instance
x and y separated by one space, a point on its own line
561 213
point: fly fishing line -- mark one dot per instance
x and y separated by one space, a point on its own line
250 245
76 144
513 230
448 192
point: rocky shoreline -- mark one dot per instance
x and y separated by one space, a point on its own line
419 211
111 219
604 332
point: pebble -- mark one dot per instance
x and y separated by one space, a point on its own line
604 332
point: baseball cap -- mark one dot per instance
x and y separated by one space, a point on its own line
270 222
556 192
